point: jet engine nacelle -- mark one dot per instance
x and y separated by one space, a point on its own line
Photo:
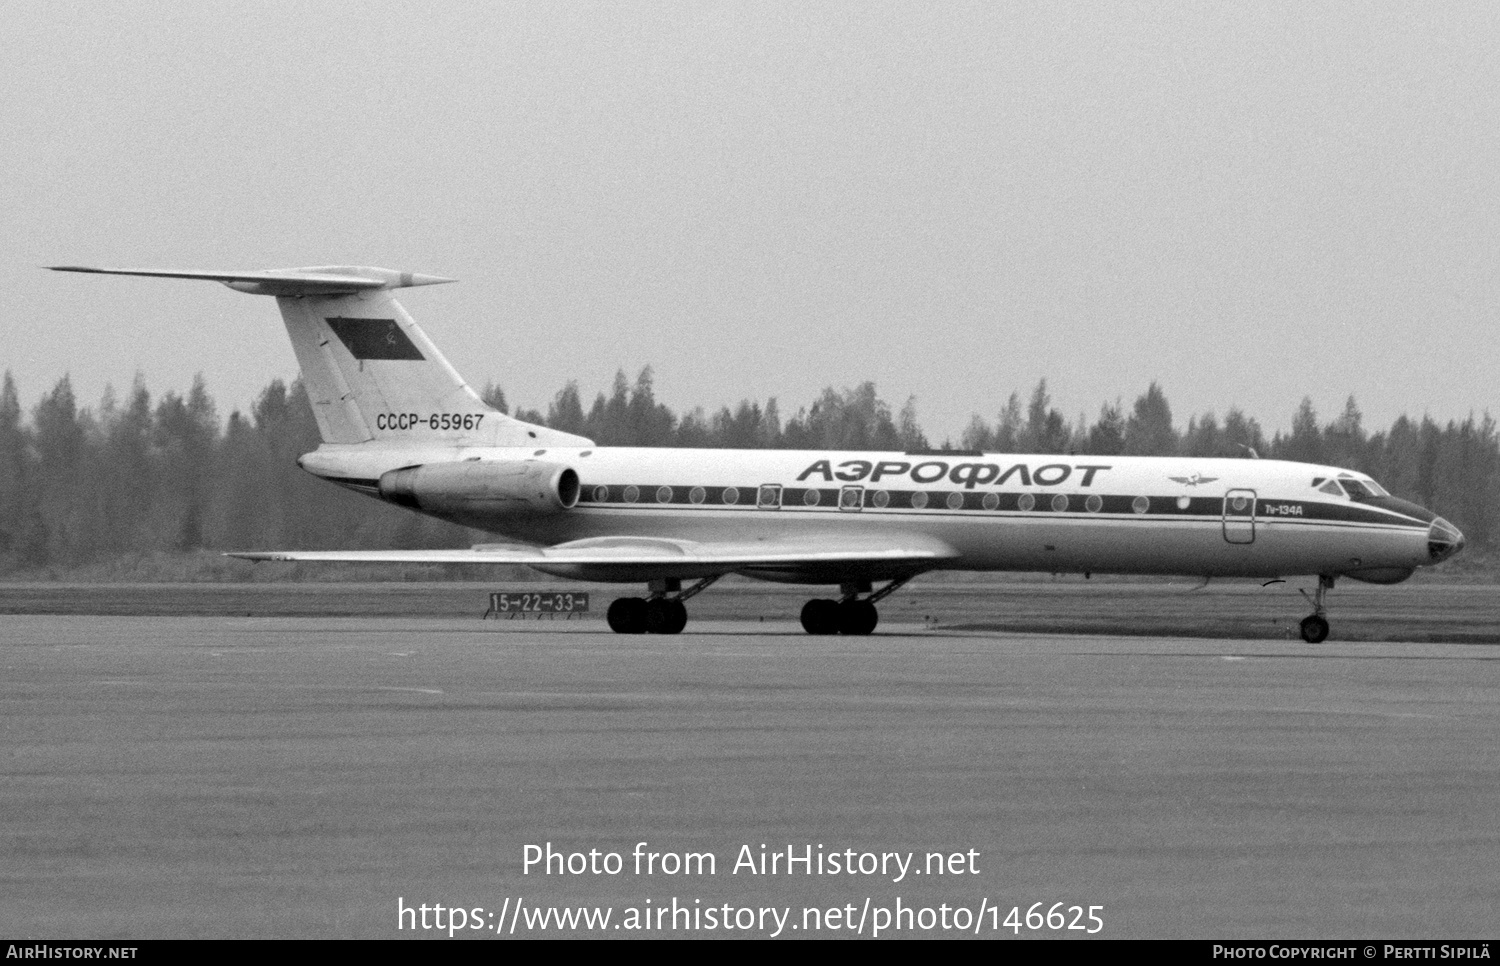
498 487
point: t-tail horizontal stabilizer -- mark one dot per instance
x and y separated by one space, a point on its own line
292 282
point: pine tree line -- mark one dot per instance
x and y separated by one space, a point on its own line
134 476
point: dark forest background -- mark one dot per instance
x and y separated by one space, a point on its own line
141 475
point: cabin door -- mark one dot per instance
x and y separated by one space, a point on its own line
1239 516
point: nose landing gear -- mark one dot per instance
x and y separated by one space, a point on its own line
1314 627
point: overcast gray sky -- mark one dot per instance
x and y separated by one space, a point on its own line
1247 202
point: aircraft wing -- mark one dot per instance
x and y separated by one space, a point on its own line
612 559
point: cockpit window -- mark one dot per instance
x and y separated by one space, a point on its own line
1357 489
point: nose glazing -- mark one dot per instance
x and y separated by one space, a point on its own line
1443 540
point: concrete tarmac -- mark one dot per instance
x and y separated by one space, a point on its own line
307 777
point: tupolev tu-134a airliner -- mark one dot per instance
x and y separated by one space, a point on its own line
399 424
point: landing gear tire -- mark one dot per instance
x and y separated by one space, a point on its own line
679 618
857 617
665 616
1314 629
820 616
627 615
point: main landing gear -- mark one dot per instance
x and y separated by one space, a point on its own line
658 613
824 616
663 612
1315 626
850 614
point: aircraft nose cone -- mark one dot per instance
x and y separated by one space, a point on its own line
1443 540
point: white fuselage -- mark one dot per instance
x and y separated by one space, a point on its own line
1048 513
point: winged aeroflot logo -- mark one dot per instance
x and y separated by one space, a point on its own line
1193 480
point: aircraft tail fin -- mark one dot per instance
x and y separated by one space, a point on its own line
371 372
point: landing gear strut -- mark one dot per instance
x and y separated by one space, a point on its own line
850 614
1315 626
657 614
